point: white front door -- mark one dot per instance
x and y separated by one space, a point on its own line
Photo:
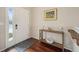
19 30
21 23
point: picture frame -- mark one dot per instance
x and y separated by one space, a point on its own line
50 15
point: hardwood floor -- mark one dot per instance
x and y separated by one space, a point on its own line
34 45
43 47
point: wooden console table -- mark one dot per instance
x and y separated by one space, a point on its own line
55 43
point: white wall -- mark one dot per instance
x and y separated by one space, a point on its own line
66 18
2 28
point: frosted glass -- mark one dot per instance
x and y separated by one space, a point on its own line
10 18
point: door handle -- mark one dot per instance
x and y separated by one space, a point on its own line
16 26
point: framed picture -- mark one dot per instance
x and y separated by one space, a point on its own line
50 15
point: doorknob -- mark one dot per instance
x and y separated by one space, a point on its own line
16 26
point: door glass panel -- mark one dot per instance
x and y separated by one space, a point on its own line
10 18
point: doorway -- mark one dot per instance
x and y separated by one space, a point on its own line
17 25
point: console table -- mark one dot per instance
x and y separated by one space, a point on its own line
54 43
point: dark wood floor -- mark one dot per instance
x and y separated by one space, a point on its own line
43 47
34 45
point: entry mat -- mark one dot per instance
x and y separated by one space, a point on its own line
23 46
